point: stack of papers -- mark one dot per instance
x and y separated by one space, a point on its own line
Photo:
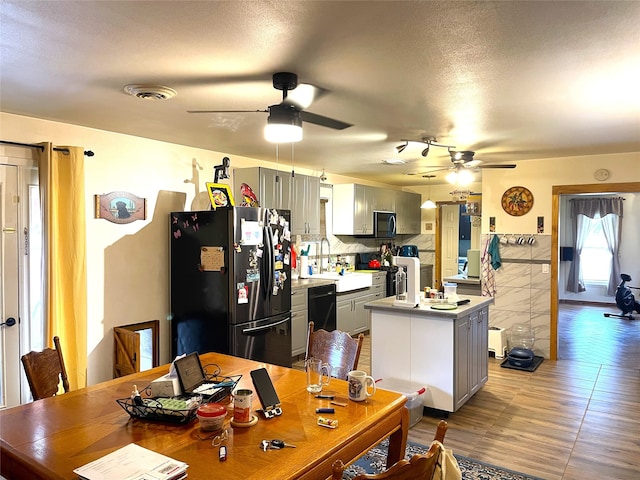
133 462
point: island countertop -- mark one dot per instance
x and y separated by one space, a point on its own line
424 309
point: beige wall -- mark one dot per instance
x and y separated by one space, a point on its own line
127 265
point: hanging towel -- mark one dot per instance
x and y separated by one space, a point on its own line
447 467
494 251
488 282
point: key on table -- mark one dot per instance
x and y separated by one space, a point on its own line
278 444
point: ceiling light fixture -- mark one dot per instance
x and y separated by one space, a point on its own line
400 148
429 204
460 177
284 125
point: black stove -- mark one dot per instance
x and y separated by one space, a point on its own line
362 263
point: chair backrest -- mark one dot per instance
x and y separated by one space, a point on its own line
421 466
44 370
338 349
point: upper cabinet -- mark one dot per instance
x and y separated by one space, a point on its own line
408 213
353 207
275 189
272 187
305 210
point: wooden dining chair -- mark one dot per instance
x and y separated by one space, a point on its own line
337 348
44 371
421 466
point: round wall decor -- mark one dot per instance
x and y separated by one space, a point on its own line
517 201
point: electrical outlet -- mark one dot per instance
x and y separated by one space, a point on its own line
545 268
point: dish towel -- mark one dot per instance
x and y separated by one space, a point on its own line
488 283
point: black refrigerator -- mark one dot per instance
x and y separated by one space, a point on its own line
230 282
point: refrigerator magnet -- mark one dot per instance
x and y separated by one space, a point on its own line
253 275
286 259
243 296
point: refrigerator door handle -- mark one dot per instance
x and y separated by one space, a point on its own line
249 331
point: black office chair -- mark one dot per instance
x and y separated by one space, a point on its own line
625 300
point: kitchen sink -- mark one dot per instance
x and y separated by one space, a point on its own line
347 282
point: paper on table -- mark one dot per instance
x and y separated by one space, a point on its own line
133 462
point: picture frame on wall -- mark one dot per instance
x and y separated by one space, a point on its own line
220 195
120 207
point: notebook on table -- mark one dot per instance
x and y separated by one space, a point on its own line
193 380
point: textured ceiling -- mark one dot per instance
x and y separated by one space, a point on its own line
510 80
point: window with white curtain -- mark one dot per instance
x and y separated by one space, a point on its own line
596 256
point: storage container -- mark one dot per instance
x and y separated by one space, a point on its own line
211 416
413 391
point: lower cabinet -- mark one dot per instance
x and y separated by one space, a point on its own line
299 320
448 355
351 315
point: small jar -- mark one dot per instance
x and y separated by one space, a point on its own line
211 416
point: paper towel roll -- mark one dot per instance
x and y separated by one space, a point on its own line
304 267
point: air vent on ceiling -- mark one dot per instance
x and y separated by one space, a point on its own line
150 92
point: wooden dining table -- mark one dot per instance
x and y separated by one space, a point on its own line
49 438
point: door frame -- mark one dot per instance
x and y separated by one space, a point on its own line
556 191
437 274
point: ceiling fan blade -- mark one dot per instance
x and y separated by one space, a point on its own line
504 165
323 121
304 95
227 111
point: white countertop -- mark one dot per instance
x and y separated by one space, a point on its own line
462 278
425 309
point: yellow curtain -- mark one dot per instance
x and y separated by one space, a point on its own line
65 265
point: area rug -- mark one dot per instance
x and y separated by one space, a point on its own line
374 461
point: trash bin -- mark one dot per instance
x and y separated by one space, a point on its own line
412 390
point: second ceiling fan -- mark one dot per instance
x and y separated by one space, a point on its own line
284 123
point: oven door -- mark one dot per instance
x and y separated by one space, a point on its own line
267 340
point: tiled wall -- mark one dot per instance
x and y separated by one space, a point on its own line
523 292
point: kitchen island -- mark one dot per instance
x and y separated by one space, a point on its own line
444 350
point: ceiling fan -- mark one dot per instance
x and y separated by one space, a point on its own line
284 123
463 159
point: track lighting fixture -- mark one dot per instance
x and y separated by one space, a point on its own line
400 148
425 152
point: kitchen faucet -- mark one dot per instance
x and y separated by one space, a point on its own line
324 239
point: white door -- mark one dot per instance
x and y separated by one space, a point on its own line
449 237
9 293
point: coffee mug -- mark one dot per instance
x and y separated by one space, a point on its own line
359 382
512 240
520 240
504 239
242 400
316 370
531 240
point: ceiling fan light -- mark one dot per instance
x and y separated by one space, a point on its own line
465 177
279 133
428 204
425 152
400 148
452 177
284 125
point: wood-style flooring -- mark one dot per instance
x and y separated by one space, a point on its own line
575 418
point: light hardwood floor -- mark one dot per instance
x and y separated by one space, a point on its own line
575 418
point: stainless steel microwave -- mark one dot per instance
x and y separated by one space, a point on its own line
384 224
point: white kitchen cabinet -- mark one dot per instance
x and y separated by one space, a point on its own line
351 314
445 352
305 205
272 187
299 321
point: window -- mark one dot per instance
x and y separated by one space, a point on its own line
595 257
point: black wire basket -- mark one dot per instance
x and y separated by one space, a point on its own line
180 409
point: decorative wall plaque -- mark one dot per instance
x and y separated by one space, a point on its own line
517 201
121 207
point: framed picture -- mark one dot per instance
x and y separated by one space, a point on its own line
121 207
220 195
